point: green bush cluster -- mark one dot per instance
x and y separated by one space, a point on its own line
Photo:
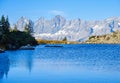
14 39
18 39
64 39
92 37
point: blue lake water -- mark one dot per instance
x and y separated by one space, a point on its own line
71 64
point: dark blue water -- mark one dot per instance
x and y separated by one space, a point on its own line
70 64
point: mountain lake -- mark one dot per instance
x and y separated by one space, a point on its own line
80 63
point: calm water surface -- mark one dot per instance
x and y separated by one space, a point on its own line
70 64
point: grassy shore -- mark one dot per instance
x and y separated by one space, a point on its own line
112 38
40 41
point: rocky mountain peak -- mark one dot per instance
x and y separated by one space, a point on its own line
74 30
22 22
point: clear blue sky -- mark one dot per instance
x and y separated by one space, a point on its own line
84 9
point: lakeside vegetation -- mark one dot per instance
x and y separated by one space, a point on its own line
112 38
14 39
40 41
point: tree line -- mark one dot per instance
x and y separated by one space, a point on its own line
14 39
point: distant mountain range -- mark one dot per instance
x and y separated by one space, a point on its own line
75 30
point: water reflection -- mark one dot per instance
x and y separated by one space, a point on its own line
13 59
21 58
4 65
63 65
29 61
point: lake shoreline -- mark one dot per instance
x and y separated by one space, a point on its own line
56 42
67 42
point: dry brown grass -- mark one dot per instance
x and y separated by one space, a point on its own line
40 41
113 38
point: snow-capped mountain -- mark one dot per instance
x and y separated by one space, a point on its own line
23 22
75 30
49 26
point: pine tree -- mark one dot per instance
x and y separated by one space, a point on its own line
15 28
4 29
28 28
2 24
0 30
65 39
5 25
2 19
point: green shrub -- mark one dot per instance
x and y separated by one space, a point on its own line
64 39
18 39
92 37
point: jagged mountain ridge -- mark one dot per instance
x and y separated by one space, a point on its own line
75 30
49 26
22 22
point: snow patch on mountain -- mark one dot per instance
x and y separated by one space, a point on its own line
75 30
22 22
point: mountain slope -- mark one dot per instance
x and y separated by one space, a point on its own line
75 30
23 22
49 26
